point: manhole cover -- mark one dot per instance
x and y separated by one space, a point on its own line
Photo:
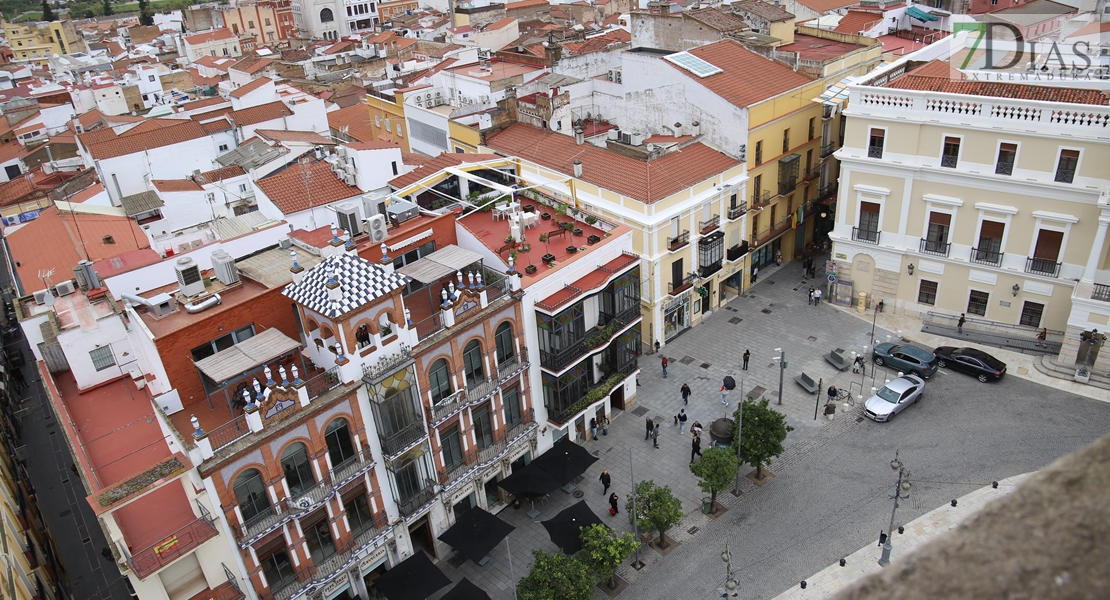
86 540
766 311
639 411
692 530
757 391
838 350
687 360
772 282
735 320
705 365
657 418
578 493
813 338
859 419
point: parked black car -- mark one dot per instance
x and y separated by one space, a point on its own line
971 361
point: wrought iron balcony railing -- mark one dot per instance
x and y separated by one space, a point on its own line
416 501
759 198
866 236
1042 266
407 436
735 212
986 257
872 152
678 241
710 225
1004 168
682 285
934 248
948 161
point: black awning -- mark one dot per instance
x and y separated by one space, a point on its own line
476 533
465 590
530 481
565 528
565 461
415 578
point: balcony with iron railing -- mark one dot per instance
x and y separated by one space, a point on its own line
1064 175
415 502
447 406
561 416
361 462
387 365
866 236
736 252
986 257
401 440
735 212
812 173
627 315
1042 266
828 149
677 287
934 248
149 560
1004 168
710 224
678 241
1101 292
826 191
324 382
949 161
761 198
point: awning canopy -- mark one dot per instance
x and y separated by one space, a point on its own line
441 263
920 15
246 355
140 203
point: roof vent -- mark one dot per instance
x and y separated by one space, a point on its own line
188 276
224 266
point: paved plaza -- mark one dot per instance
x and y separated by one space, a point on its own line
830 496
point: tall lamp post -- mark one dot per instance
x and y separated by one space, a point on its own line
782 369
903 485
739 430
730 589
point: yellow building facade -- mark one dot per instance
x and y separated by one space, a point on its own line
35 43
387 109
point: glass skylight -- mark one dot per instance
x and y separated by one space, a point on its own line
693 64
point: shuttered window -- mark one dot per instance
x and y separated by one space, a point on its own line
1048 244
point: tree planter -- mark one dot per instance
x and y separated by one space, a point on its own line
572 249
578 231
530 269
545 216
593 239
548 258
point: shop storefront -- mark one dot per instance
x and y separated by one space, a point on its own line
676 316
372 567
766 254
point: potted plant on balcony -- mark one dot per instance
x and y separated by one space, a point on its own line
572 249
548 258
591 220
387 331
578 231
593 239
546 216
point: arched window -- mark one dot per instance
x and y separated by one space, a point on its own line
505 349
472 358
338 436
298 470
326 16
251 494
439 379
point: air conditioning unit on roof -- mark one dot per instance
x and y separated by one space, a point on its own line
64 288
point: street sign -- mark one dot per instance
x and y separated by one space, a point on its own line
832 278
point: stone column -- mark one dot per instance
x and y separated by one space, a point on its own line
1096 248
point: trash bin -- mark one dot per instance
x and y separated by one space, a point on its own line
862 305
707 505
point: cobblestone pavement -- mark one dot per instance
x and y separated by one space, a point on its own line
830 495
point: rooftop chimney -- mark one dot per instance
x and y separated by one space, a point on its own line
579 136
297 270
577 168
335 291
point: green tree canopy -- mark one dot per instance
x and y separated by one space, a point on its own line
556 577
716 469
107 4
48 12
602 551
145 16
656 508
764 430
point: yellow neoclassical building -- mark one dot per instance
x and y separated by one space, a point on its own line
35 43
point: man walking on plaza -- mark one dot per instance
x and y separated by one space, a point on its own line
817 296
695 447
664 363
811 288
655 436
685 391
682 420
747 354
605 481
650 427
960 323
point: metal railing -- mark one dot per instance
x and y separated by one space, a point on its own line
361 461
682 285
986 257
736 252
787 185
448 405
373 373
872 152
179 543
626 316
1021 338
419 499
229 432
1004 168
228 590
828 149
1042 266
555 361
1065 175
429 326
264 520
1101 292
310 576
712 223
407 436
328 380
452 472
935 248
948 161
865 235
678 241
735 212
811 173
825 191
761 198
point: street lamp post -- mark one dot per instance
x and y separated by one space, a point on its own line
739 430
903 485
635 521
782 369
731 588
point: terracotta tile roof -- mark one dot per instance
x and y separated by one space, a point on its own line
286 188
718 19
53 241
594 44
935 76
200 80
824 6
223 173
210 36
645 181
259 114
735 82
90 118
97 135
523 4
765 10
176 185
371 145
354 121
190 106
500 23
129 142
295 56
251 64
434 165
216 126
342 46
214 62
281 135
856 21
415 159
250 87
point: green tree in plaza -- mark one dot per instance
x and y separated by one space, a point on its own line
107 4
656 508
764 430
48 12
715 471
603 550
556 577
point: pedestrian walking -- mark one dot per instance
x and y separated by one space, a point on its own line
811 288
604 425
593 428
655 436
724 395
664 362
605 480
1041 337
682 420
755 274
650 427
857 365
685 391
747 355
960 323
614 500
817 296
695 448
832 393
695 429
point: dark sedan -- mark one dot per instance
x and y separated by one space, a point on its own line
906 358
971 361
